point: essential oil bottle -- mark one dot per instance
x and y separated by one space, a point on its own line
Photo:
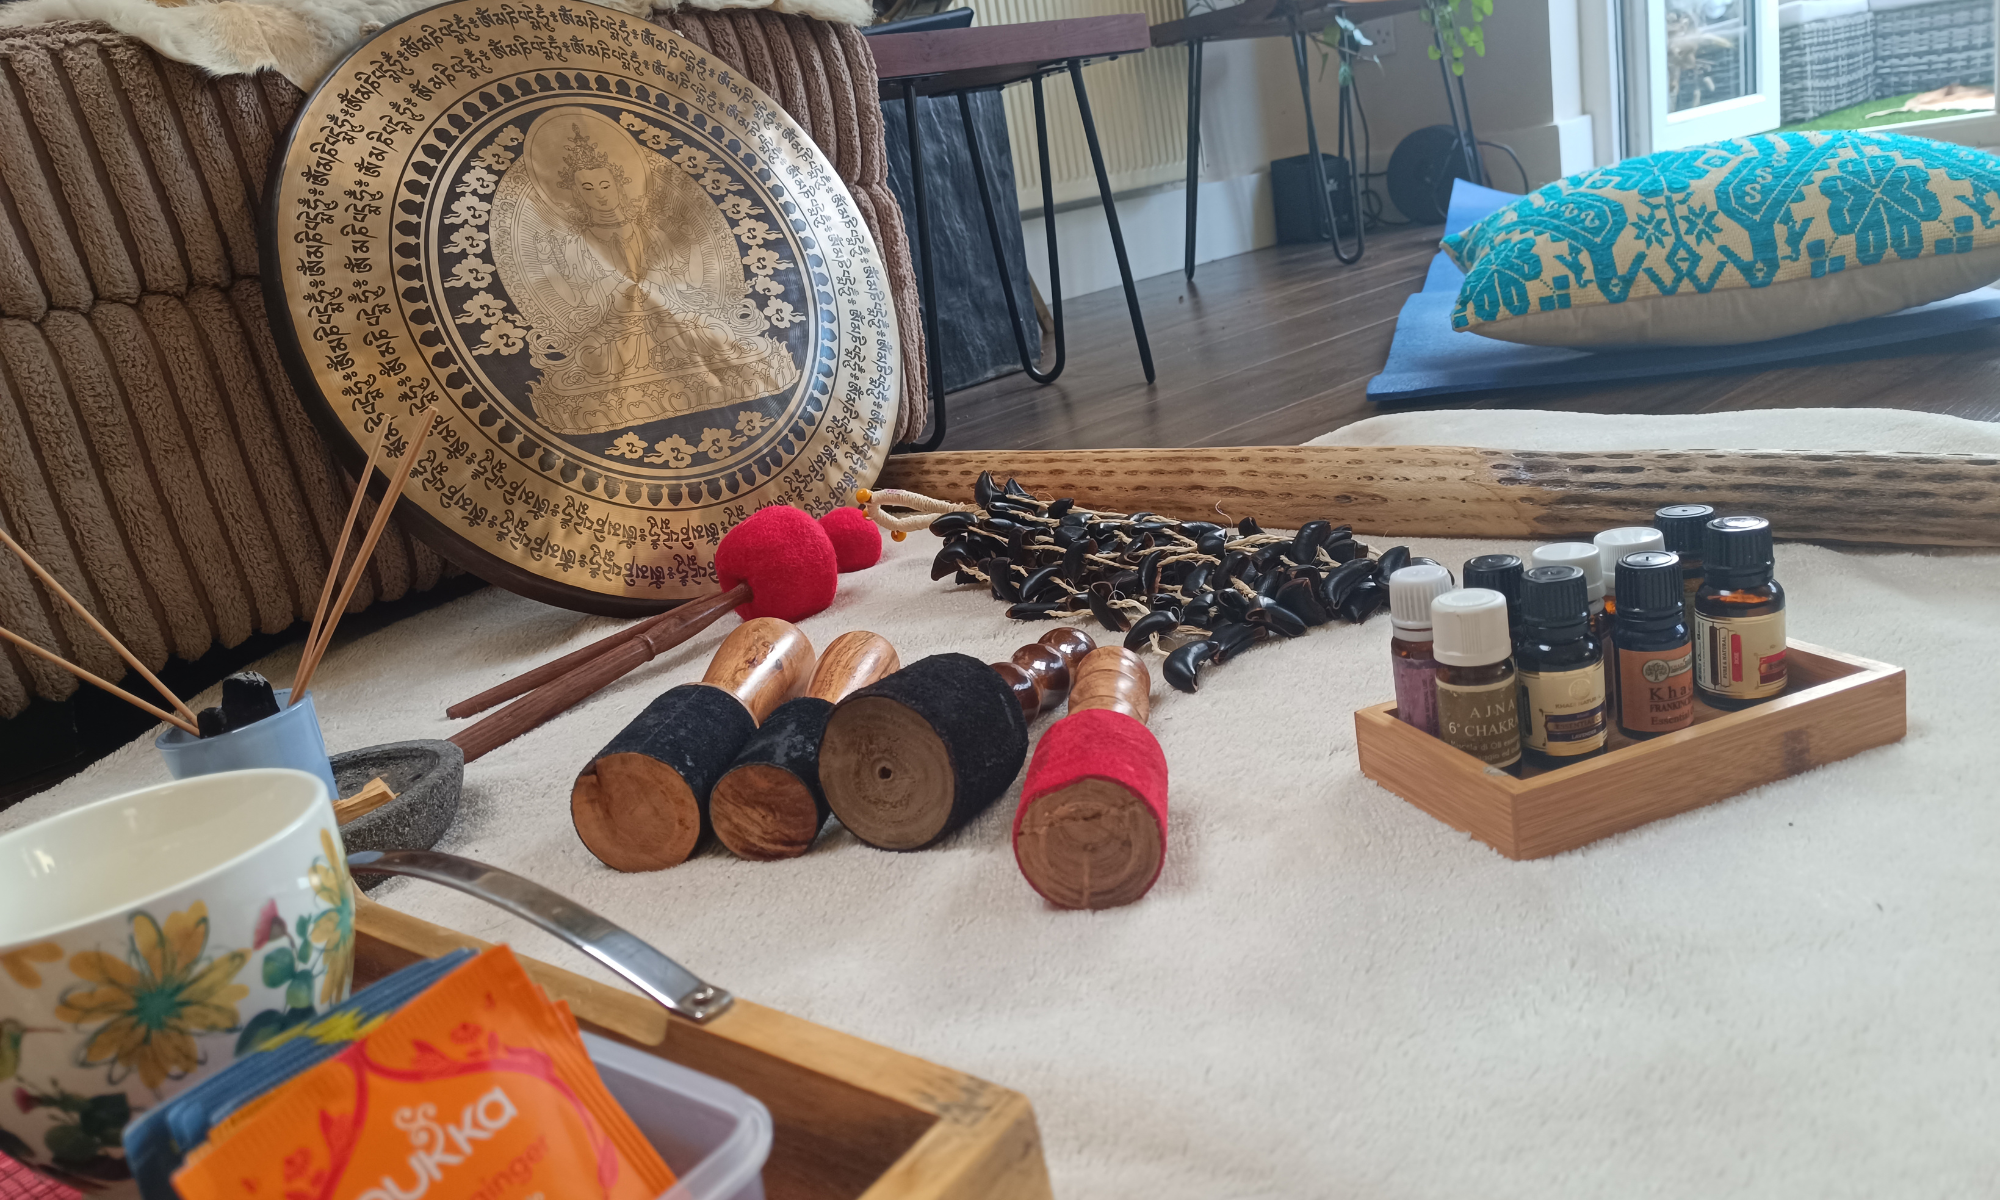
1615 544
1685 526
1584 557
1411 591
1502 573
1655 657
1560 668
1739 616
1478 709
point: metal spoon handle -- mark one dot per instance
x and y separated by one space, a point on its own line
652 972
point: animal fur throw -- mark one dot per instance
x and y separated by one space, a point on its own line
303 39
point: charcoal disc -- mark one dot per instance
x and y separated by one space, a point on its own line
638 297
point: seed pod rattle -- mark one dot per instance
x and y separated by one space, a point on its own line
642 802
1091 831
769 805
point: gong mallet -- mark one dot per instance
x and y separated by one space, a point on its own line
1091 831
775 563
641 803
769 804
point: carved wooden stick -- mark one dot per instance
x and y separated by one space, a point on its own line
1448 491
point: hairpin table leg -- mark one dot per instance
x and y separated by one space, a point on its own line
1325 195
1000 250
1110 216
1193 148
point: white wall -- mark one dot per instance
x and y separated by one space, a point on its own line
1527 92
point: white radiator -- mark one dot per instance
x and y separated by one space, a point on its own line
1139 102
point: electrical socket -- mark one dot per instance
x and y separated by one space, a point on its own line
1382 32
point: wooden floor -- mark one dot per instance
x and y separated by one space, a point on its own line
1277 346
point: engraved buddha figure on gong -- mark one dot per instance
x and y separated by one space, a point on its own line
630 280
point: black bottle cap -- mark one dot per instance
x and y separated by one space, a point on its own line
1649 584
1738 549
1683 525
1554 595
1501 572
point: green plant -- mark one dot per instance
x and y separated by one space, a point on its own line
1346 38
1459 27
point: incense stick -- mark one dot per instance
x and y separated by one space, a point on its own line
346 531
173 719
315 651
131 659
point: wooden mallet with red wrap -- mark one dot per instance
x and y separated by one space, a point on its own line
1091 831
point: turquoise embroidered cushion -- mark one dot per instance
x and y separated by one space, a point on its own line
1734 241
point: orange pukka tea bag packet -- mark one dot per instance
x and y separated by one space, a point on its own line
479 1089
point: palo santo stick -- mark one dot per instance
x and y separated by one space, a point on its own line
528 681
316 651
346 531
174 719
131 659
372 796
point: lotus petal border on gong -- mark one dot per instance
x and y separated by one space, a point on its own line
638 294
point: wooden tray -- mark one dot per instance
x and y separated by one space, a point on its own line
852 1119
1837 705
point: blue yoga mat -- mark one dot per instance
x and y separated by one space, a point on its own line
1428 357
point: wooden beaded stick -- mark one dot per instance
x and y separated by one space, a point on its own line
919 753
319 639
1091 831
182 716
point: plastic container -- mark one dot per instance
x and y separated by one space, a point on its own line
714 1136
290 738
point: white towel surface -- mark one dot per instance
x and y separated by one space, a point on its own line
1330 994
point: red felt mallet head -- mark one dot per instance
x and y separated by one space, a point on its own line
785 557
857 541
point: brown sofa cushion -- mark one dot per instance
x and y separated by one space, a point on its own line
153 455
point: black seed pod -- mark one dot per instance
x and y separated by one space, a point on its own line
1231 604
1015 489
1394 559
1363 600
1034 612
1060 509
1236 565
1334 592
1073 559
1276 618
951 522
984 490
1149 572
1268 586
1196 580
1212 544
1005 585
1199 611
1041 581
1161 621
1298 596
1199 529
1100 607
1306 543
1248 526
1230 639
1342 549
1185 664
952 558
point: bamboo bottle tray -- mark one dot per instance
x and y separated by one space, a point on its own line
852 1119
1837 705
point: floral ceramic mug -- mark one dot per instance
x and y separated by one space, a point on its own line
148 940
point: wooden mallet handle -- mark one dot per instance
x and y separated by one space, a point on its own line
763 663
1091 831
641 803
769 805
554 698
556 668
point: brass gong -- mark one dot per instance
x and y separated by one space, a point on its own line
634 289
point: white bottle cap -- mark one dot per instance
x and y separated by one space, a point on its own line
1581 555
1614 544
1411 591
1469 628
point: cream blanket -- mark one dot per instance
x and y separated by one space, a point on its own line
303 39
1330 994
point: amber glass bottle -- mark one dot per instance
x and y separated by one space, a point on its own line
1739 616
1478 711
1655 660
1685 526
1560 668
